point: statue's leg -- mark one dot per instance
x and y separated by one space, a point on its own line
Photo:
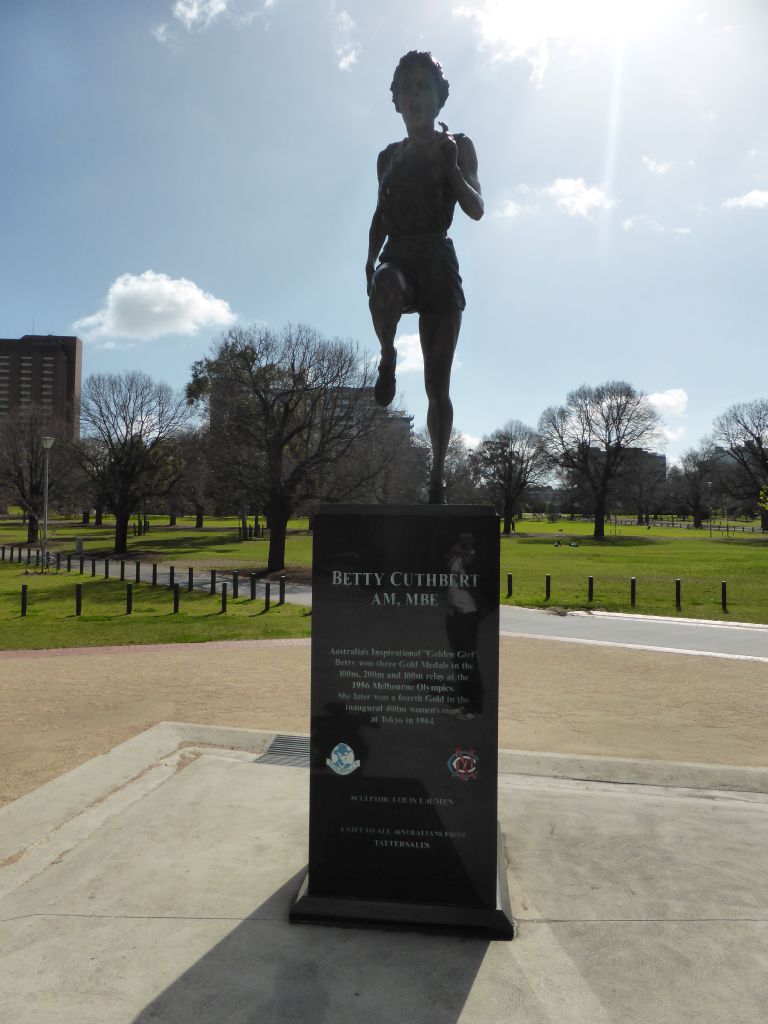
439 333
390 295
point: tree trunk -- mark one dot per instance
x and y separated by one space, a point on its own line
32 523
698 519
86 517
171 518
278 520
507 516
97 519
599 531
122 519
764 520
199 517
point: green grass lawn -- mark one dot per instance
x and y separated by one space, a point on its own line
655 557
51 619
215 546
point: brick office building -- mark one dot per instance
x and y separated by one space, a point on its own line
44 370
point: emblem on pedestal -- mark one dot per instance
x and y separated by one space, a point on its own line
342 759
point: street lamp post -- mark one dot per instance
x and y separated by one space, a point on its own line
47 443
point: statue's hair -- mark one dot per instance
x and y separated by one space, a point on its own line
421 58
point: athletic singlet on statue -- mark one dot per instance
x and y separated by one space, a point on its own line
421 179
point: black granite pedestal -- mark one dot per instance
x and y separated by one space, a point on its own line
404 738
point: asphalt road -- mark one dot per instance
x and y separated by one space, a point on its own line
734 640
643 631
724 639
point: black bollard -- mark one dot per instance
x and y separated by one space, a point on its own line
213 582
172 577
154 574
632 591
23 599
122 570
223 597
106 568
590 587
235 584
78 598
82 564
547 586
281 593
93 567
724 595
509 584
129 599
266 596
678 603
175 598
190 579
138 572
58 561
253 586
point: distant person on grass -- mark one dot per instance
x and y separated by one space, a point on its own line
421 179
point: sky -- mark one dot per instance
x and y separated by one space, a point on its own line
171 168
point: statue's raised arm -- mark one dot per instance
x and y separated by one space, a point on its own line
421 178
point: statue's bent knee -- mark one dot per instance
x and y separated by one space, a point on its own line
388 286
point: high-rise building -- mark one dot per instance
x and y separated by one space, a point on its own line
44 370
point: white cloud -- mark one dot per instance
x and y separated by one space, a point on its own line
672 402
755 200
198 13
671 405
643 220
409 357
160 33
510 209
578 199
470 440
345 41
657 166
675 434
149 305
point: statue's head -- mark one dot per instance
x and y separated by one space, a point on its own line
420 60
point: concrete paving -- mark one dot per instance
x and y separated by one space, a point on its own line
152 885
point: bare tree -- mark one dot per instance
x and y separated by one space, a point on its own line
591 435
299 402
693 482
128 423
22 462
507 462
742 431
640 483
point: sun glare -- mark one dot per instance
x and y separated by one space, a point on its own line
516 29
